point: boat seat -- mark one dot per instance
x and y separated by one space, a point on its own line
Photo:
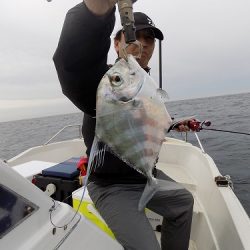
177 173
88 209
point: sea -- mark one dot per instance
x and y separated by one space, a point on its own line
230 151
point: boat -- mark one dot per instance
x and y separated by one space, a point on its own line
30 218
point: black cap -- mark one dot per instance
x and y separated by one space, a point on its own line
142 21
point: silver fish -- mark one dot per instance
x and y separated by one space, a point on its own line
132 120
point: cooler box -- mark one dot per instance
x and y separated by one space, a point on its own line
67 169
64 176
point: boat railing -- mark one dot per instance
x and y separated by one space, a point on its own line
64 128
80 135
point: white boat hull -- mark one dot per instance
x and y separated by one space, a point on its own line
219 220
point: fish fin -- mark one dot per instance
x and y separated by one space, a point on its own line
163 95
97 155
148 193
96 159
152 187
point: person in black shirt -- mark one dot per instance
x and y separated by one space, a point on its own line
115 188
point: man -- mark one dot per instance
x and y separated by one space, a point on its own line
115 188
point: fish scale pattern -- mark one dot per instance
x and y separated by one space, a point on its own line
133 139
133 129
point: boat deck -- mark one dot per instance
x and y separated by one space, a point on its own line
172 170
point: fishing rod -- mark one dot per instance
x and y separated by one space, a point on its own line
226 131
160 65
198 126
125 8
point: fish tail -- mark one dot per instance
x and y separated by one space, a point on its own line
149 191
152 187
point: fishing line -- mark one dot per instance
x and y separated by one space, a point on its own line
53 208
93 154
85 181
226 131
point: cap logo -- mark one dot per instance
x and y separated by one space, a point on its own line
150 22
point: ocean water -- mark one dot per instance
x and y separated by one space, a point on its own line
231 152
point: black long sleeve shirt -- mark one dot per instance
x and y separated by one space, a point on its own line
81 62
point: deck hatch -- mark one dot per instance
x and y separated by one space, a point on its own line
14 209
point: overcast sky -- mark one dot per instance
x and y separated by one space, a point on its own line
206 51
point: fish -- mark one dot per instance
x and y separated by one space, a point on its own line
132 122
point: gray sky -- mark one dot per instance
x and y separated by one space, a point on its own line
205 53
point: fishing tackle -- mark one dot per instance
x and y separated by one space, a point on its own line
127 20
128 23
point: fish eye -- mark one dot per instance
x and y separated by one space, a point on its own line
116 80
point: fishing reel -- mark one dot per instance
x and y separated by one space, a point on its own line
197 126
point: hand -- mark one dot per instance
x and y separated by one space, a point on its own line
101 7
183 126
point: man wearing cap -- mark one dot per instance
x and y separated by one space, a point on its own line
115 188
